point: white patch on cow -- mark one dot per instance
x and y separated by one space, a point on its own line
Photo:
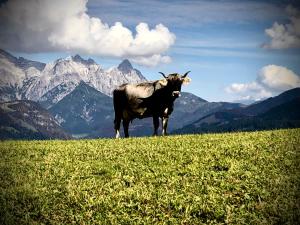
164 124
139 90
163 82
117 134
166 111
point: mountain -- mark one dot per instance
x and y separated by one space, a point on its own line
13 73
23 119
211 107
189 108
125 66
85 112
49 83
282 111
22 62
289 110
264 106
184 109
60 78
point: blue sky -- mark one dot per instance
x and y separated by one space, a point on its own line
220 42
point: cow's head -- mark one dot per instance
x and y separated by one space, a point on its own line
174 81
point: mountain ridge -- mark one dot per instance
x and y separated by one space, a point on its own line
25 119
26 81
276 112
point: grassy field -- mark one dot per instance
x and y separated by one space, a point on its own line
237 178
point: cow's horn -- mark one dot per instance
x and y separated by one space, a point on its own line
163 74
185 74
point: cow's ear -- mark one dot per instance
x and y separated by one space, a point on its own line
163 82
186 80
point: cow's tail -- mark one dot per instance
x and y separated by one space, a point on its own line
119 101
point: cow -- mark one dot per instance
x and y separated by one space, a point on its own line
149 99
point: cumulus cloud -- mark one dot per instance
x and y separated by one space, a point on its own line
285 36
42 25
271 80
152 61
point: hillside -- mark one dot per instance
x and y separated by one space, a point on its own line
264 106
28 120
287 111
281 111
237 178
84 112
202 110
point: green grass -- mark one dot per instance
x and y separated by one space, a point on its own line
237 178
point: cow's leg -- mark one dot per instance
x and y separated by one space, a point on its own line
126 127
117 123
155 124
164 125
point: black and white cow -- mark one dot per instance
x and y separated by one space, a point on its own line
149 99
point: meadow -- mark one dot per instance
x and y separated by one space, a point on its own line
229 178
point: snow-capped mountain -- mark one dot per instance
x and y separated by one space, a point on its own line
15 73
51 82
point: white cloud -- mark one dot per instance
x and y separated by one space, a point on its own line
277 78
271 80
285 36
42 25
152 61
248 91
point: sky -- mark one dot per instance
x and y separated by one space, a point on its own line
235 50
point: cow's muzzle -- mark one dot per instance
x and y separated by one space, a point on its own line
176 94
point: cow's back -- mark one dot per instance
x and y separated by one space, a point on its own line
143 90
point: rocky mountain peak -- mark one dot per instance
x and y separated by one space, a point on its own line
5 54
25 64
91 61
78 58
125 66
21 62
